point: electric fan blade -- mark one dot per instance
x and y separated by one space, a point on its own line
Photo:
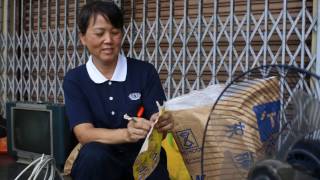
305 121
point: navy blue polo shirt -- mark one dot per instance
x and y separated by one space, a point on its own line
104 104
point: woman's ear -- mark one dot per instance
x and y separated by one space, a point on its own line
82 39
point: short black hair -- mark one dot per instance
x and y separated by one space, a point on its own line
108 9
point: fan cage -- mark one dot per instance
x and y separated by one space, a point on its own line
291 80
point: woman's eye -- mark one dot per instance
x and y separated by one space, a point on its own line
115 32
99 34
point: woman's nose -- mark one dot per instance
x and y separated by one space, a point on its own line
107 38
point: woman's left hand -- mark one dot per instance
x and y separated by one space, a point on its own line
165 122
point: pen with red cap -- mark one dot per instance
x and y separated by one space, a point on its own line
139 114
140 111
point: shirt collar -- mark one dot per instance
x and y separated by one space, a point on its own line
119 73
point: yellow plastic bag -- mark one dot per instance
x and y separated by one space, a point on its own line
175 164
149 155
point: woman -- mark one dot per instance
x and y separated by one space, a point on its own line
100 92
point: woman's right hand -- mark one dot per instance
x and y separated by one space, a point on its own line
138 129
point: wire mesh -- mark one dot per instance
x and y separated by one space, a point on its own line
253 119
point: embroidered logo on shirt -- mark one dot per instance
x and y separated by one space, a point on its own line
134 96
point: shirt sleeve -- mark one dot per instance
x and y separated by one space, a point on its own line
77 107
153 92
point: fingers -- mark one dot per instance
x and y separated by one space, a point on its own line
166 128
139 129
165 123
154 117
142 123
137 133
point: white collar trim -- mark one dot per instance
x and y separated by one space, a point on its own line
119 73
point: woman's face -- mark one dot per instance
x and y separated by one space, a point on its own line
102 40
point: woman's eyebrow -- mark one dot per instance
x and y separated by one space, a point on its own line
98 28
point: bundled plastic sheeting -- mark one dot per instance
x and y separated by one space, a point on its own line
244 118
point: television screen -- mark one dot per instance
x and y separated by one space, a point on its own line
35 129
32 130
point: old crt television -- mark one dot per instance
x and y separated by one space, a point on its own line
35 129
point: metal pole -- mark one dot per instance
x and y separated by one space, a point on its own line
46 61
318 40
56 54
38 52
199 54
29 63
303 38
157 41
144 26
5 34
248 32
284 32
215 41
170 70
231 45
265 41
132 32
65 36
18 89
185 35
